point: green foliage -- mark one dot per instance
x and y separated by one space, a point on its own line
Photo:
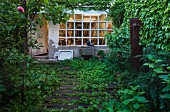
166 90
154 37
131 100
155 19
116 12
93 74
118 58
13 26
18 28
161 69
101 53
85 4
41 80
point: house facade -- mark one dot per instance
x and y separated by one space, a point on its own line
81 27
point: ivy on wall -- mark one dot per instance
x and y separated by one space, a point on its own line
155 16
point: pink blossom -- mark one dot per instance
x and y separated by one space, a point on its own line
20 9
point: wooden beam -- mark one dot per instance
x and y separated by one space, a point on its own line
136 49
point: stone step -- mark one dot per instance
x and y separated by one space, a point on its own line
68 98
63 92
60 106
67 76
111 86
65 106
68 79
67 87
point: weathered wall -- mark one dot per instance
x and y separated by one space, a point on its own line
42 37
52 38
76 50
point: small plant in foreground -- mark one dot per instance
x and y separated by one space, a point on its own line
131 100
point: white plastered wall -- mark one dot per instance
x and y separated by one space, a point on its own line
42 35
53 34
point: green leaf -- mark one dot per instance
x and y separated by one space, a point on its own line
28 65
159 70
149 64
158 60
166 96
142 99
110 109
134 87
125 110
123 91
164 77
151 57
46 1
126 102
102 110
136 106
2 88
9 28
166 89
117 106
168 67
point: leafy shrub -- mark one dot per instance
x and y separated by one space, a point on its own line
40 81
159 67
155 18
131 100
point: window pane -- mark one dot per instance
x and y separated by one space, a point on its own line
62 41
94 18
109 25
86 25
102 17
86 18
78 33
70 41
78 25
101 33
94 41
70 25
62 33
101 41
71 17
102 25
85 41
94 25
78 17
70 33
86 33
78 41
62 26
94 33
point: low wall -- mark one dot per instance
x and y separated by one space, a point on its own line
76 50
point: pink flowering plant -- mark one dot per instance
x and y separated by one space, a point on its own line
20 9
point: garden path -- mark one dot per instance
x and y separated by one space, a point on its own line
67 97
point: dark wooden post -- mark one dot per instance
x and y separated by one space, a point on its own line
136 49
25 51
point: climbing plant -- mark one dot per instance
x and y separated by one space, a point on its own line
154 38
155 18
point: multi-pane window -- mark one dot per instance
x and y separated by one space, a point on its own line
83 27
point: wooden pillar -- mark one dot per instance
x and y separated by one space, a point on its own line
136 49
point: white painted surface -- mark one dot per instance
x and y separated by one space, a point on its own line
55 55
88 12
65 54
53 33
41 36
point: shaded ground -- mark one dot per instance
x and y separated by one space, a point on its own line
69 97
